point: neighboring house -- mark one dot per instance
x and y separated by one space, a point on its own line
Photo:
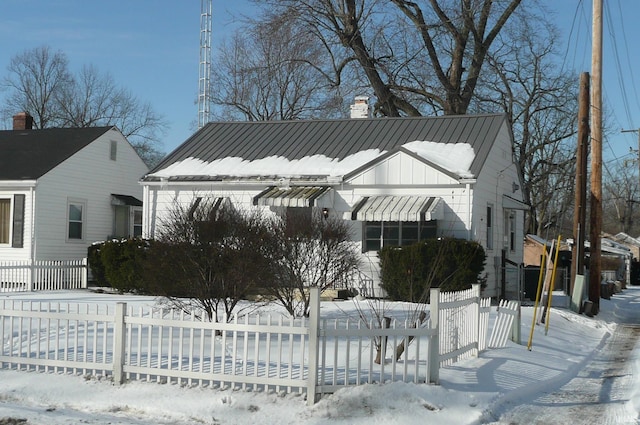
633 244
63 188
397 180
616 258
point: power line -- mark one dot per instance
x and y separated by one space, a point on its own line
618 66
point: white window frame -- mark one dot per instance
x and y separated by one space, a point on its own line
113 150
9 222
512 231
83 219
132 221
490 226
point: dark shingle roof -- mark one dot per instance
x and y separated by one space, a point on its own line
29 154
334 138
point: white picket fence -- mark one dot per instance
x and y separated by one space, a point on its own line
463 320
256 352
503 328
18 276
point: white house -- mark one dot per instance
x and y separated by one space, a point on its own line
63 188
398 180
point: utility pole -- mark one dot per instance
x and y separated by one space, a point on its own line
595 262
580 212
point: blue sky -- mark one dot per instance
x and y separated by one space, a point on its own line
149 46
152 48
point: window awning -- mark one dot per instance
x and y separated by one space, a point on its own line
513 204
125 200
299 196
398 208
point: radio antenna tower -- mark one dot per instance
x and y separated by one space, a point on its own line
204 79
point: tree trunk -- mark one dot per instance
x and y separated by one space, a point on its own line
401 347
382 346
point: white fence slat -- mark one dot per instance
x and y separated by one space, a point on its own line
507 310
316 356
18 276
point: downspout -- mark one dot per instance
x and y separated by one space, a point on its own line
145 211
470 211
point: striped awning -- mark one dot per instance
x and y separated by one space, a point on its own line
299 196
398 208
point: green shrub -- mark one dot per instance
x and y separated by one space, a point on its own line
95 264
119 264
407 273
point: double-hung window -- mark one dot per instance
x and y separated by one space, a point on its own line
137 222
76 218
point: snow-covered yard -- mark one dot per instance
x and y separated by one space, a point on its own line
473 391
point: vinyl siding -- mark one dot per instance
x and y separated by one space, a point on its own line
90 176
402 169
494 181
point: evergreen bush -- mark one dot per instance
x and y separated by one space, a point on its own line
119 264
408 272
95 264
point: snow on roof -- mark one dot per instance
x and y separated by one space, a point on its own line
454 157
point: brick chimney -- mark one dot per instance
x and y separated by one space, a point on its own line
22 121
360 109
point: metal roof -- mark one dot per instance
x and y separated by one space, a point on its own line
252 140
29 154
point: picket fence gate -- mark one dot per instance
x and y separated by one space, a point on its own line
507 324
41 275
308 356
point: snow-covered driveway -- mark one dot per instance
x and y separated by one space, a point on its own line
605 391
597 395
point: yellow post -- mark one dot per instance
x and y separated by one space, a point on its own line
538 292
551 285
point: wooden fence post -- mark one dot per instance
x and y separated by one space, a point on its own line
434 344
314 346
119 336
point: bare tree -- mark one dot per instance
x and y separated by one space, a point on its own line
314 251
622 191
40 83
413 55
208 255
270 70
35 77
541 101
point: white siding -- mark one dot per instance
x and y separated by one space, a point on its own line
495 180
91 176
161 199
401 169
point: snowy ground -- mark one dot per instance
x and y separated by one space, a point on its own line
474 391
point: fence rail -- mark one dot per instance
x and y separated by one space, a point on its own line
17 276
309 356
